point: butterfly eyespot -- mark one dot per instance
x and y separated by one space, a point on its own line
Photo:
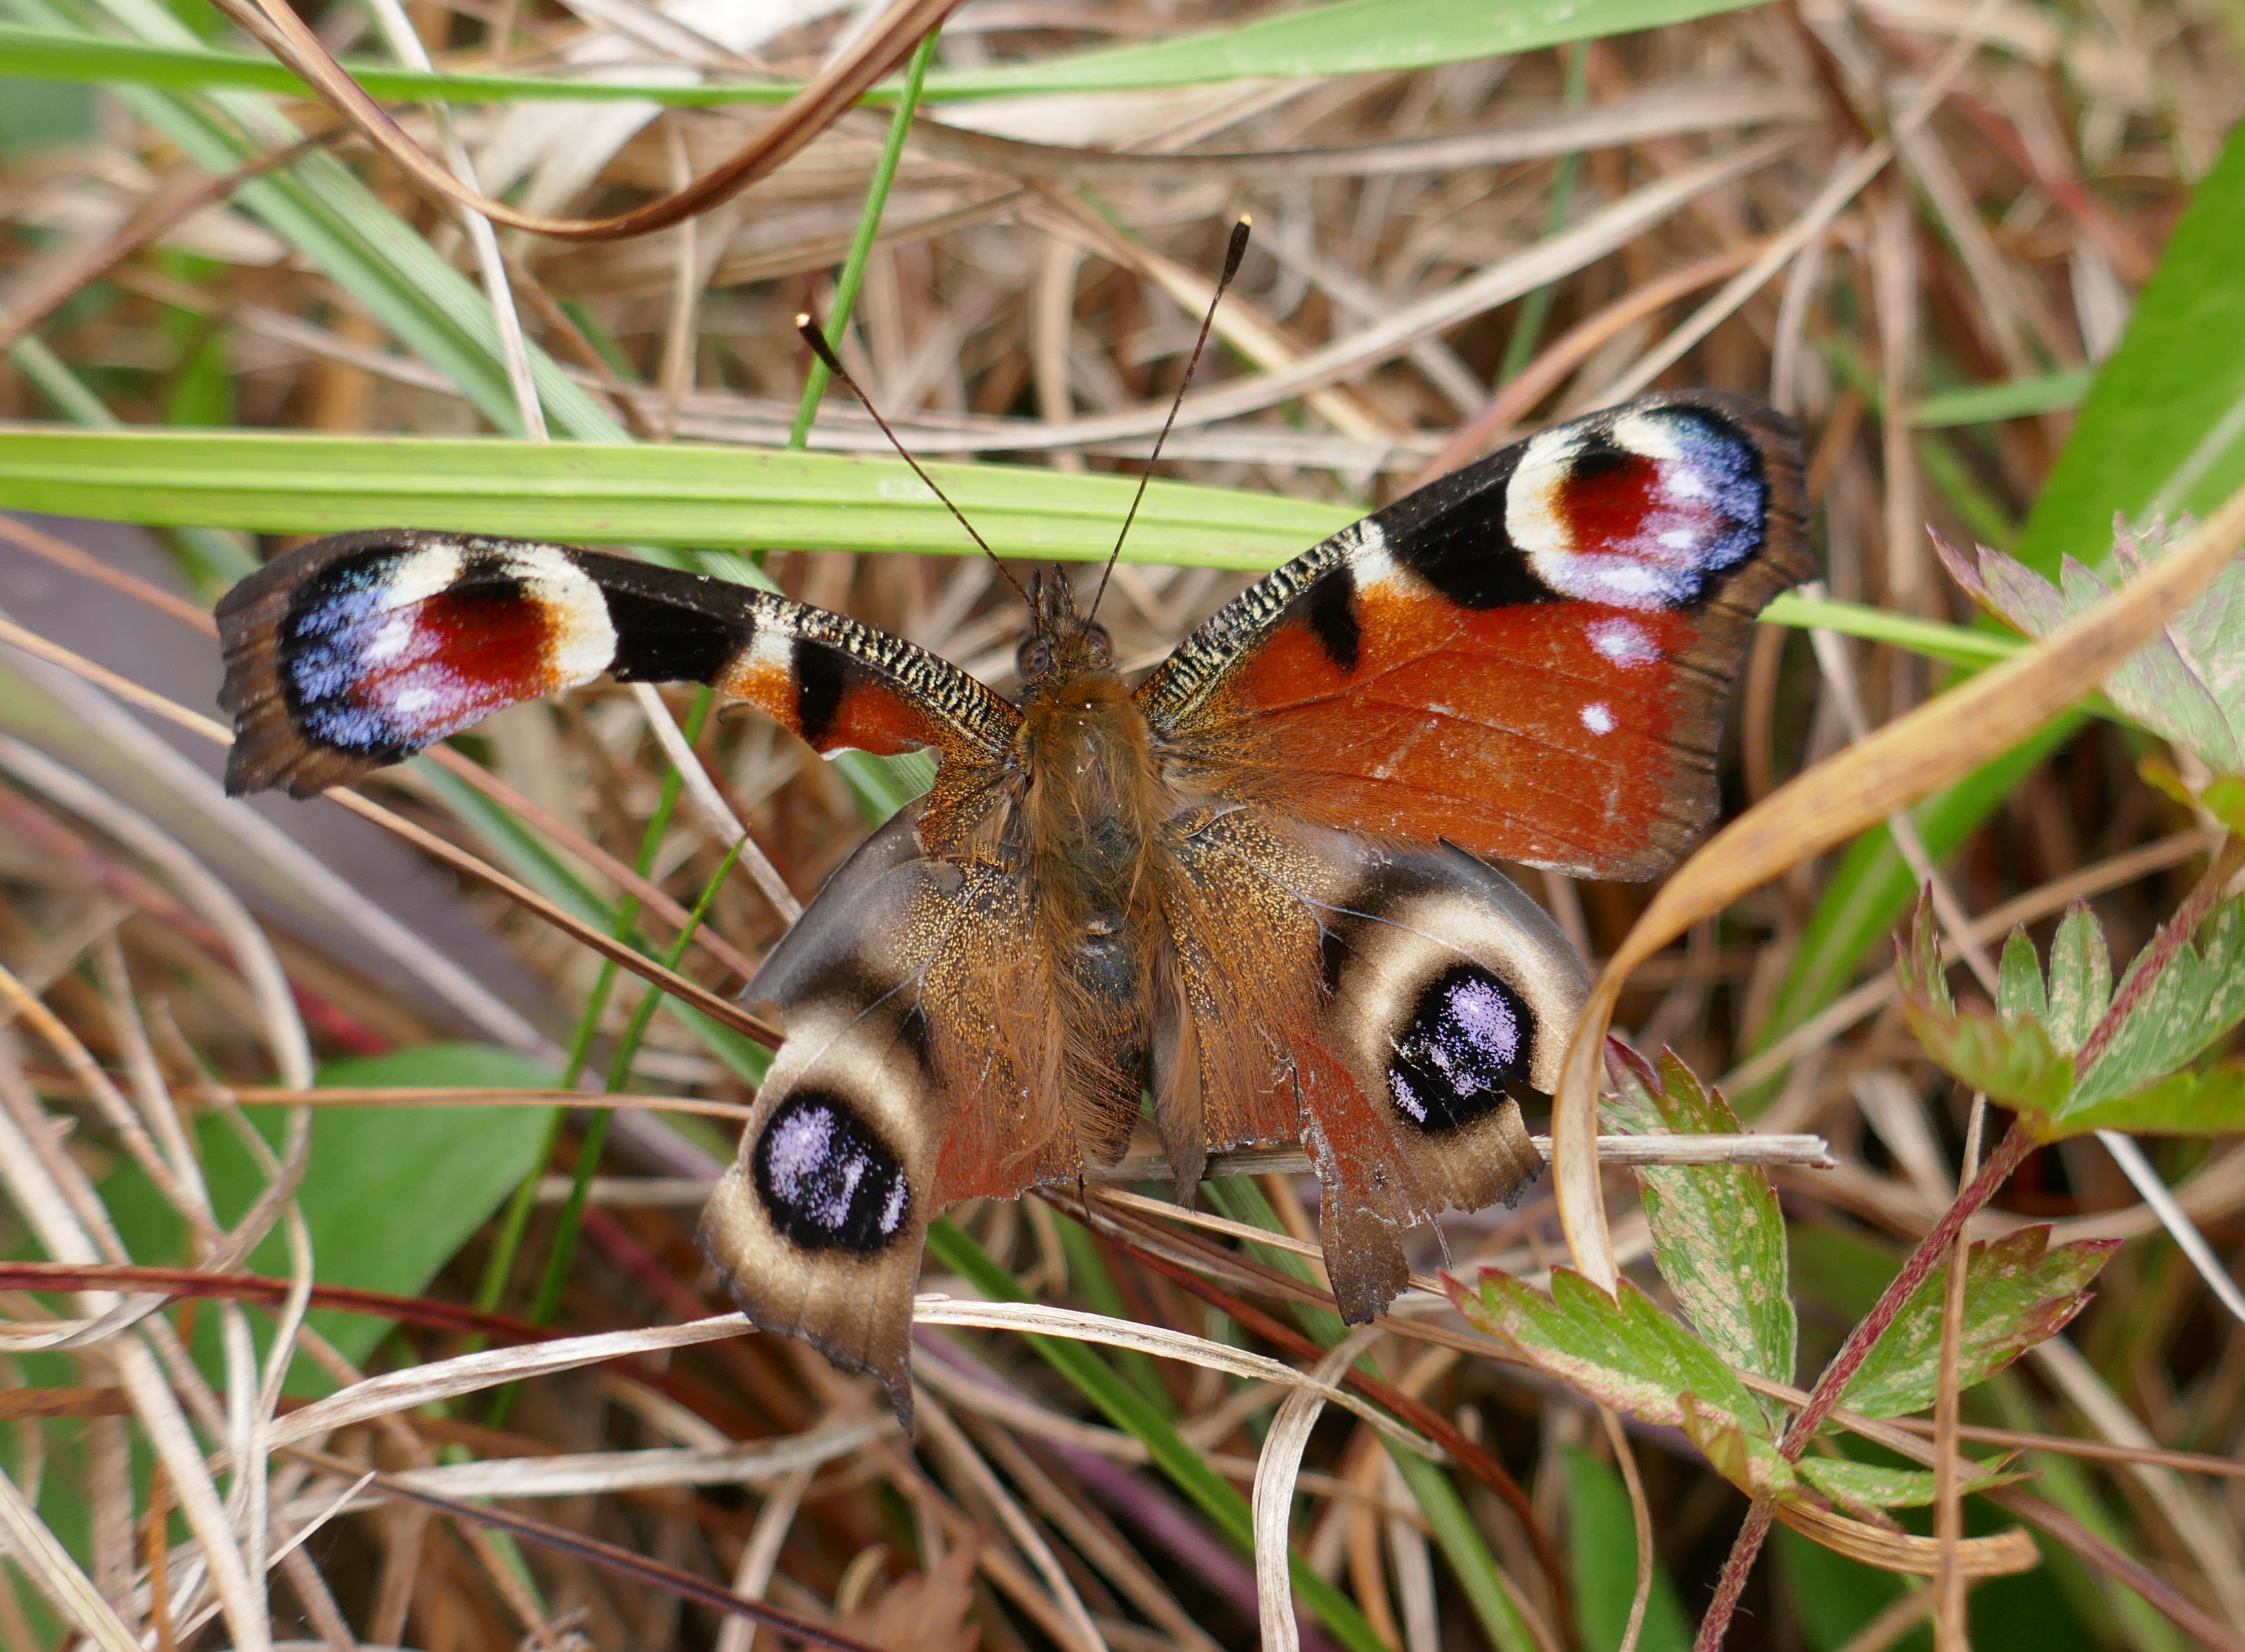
827 1180
1470 1035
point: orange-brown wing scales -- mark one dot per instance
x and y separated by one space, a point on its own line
1376 1001
915 1074
360 650
1551 735
1529 658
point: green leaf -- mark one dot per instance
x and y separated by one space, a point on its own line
1601 1546
2013 1061
1860 1485
2014 399
2019 992
1622 1351
1750 1462
2018 1290
2163 428
2196 997
1716 1232
2008 1055
654 494
2080 978
2209 1103
389 1194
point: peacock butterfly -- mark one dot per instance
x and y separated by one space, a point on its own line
1251 886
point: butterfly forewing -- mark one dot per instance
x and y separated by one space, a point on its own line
1529 658
360 650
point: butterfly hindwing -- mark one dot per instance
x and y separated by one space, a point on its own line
360 650
1379 1001
1528 657
914 1073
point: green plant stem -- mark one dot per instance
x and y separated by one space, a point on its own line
861 246
1536 308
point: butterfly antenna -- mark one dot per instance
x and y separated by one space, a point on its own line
1232 255
811 335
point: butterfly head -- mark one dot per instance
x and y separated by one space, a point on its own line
1061 644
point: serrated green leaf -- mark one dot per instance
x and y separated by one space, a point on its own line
2018 1291
2019 992
2014 1061
1879 1485
2196 997
2209 1103
1918 969
2224 799
2080 978
1750 1462
1718 1236
1621 1350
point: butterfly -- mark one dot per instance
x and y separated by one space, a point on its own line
1253 887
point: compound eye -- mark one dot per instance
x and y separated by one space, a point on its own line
1035 659
1100 647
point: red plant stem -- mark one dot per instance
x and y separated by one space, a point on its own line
1732 1585
1931 1250
2155 959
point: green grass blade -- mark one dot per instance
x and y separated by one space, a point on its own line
1356 37
675 495
2014 399
1956 644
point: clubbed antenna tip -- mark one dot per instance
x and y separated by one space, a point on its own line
1233 252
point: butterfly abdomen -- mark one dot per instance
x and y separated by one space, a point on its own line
1090 815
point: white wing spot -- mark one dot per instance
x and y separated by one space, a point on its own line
1598 717
1623 642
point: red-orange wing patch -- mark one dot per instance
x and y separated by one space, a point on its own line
1529 658
360 650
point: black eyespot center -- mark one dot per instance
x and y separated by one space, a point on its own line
1469 1037
827 1178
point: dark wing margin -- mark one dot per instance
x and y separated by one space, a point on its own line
1529 657
359 650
